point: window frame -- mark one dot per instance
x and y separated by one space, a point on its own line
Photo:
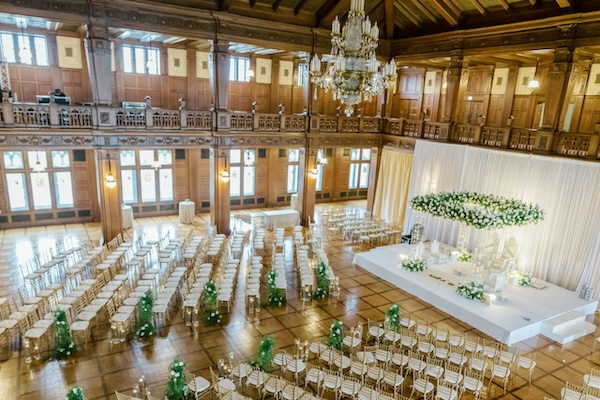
130 66
16 46
243 168
140 168
234 69
363 159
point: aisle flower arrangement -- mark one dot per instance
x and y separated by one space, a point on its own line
76 393
413 264
212 315
64 346
176 385
465 256
524 279
145 329
322 273
471 290
264 356
478 210
335 335
392 317
275 297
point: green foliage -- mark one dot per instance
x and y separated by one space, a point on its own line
471 290
265 354
212 315
414 264
145 328
322 273
64 346
177 385
335 335
76 393
275 297
392 317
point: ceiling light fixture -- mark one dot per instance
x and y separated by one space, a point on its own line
38 167
248 161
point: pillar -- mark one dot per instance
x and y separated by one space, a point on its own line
219 190
556 87
452 88
109 199
373 173
98 55
307 190
218 73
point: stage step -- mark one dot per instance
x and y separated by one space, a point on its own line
567 327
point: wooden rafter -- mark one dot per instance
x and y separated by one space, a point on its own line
479 7
326 10
532 2
389 18
504 4
252 3
399 22
276 5
299 6
446 12
563 3
408 13
224 5
424 10
453 7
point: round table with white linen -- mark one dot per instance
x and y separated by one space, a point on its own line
127 212
187 211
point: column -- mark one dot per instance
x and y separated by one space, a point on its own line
219 190
218 73
98 55
107 162
373 172
556 87
307 189
452 88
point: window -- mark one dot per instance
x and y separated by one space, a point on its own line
27 190
141 60
242 172
19 48
359 168
238 69
292 175
143 181
302 74
319 180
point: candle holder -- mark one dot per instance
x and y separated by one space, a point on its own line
140 389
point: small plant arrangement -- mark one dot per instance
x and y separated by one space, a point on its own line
465 256
65 346
212 315
524 279
471 290
264 355
335 335
177 385
392 317
413 264
145 329
322 273
76 393
275 297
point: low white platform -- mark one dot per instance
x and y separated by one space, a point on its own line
518 318
567 327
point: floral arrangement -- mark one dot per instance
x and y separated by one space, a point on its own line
471 290
392 317
212 315
524 279
76 393
64 343
478 210
413 264
275 297
335 335
322 273
177 385
265 354
145 328
464 256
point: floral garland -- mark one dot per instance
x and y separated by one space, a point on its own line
266 352
275 297
322 273
64 343
212 315
145 329
464 256
177 385
524 279
478 210
335 335
392 317
413 264
76 393
471 290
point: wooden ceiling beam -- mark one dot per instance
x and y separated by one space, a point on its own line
299 6
399 23
563 3
408 14
389 18
224 5
453 7
252 3
329 8
424 10
479 7
446 12
276 5
532 2
504 4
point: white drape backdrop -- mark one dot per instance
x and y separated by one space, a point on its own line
563 249
393 182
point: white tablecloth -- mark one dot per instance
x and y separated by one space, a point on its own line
127 212
519 318
279 218
294 201
187 210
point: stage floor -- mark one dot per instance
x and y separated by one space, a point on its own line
518 318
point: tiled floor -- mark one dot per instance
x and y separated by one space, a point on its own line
103 368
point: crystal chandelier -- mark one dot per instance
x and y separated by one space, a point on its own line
353 75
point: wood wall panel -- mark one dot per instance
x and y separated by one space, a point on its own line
263 97
239 96
285 98
522 112
590 114
136 87
72 85
28 81
495 111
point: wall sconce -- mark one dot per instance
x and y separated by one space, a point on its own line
314 173
322 161
110 180
248 161
534 84
38 167
225 177
156 165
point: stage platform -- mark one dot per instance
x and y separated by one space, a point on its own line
517 318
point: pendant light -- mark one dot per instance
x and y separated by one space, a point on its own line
110 180
38 167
